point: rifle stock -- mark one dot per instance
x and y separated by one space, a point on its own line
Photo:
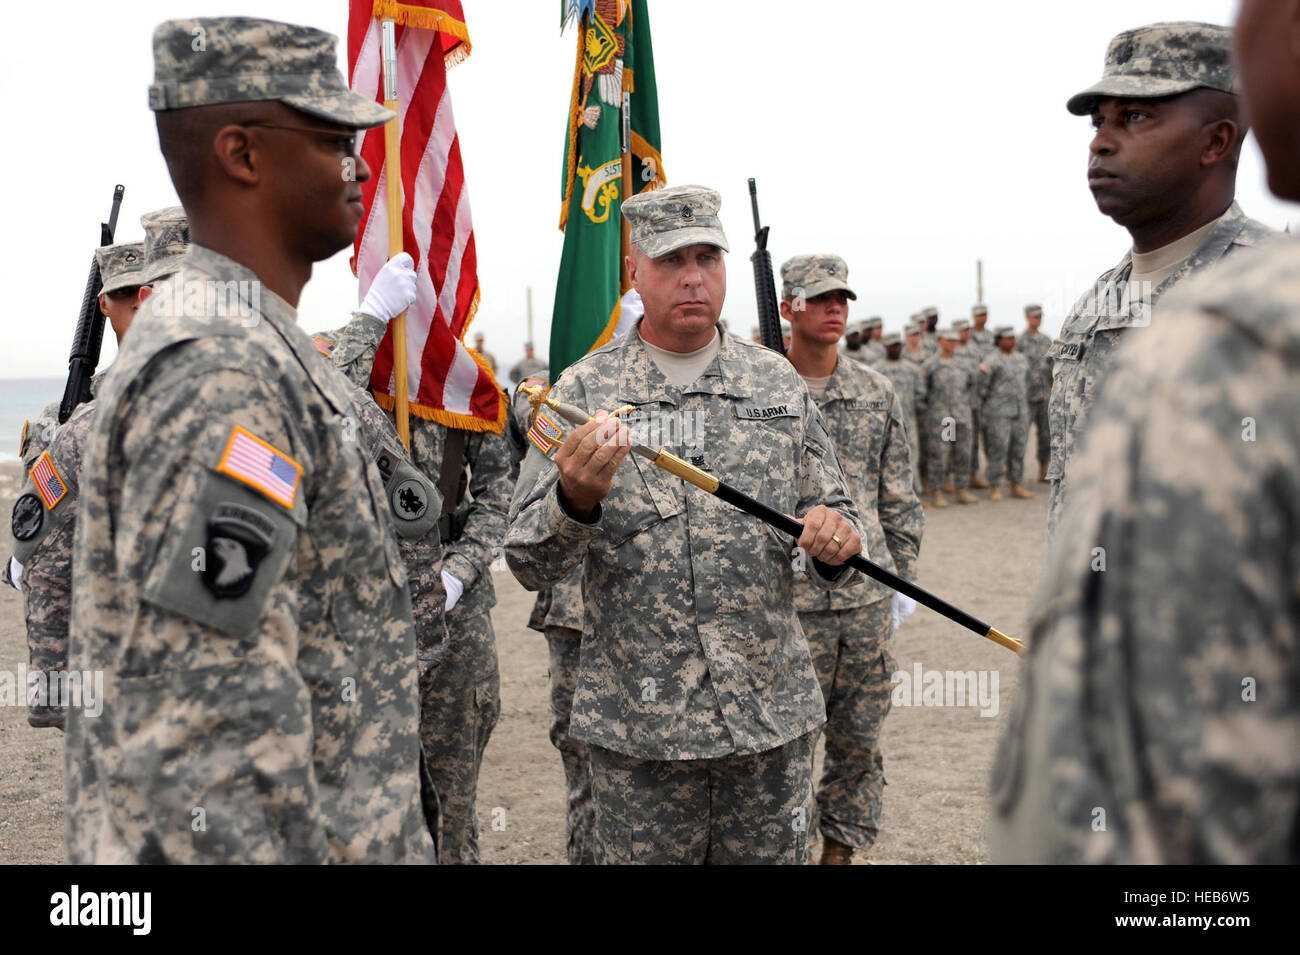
89 336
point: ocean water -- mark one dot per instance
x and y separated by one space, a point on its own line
21 399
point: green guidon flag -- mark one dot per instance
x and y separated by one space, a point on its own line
613 116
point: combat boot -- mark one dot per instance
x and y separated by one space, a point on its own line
1042 472
978 482
836 853
937 499
1020 492
948 485
996 493
965 497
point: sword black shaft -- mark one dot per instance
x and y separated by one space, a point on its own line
789 525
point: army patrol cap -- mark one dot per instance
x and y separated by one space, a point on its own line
1004 331
913 327
960 324
663 220
1162 59
207 61
875 321
979 309
814 275
121 265
1033 310
166 237
948 332
891 338
930 312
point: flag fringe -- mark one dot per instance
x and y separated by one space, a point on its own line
575 117
607 335
451 419
427 18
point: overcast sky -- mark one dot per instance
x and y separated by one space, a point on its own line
909 139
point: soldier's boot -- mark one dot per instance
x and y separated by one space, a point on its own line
937 499
965 497
1042 472
836 853
948 485
978 482
1020 492
996 493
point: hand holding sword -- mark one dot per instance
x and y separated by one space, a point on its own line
591 455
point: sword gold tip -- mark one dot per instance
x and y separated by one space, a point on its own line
1000 638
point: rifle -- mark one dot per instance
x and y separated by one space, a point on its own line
769 316
89 336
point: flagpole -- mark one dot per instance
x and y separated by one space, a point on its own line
393 162
625 244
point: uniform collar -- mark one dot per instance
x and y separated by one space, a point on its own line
641 381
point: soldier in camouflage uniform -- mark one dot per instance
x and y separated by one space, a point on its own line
909 386
697 694
557 613
873 351
970 356
45 513
1035 346
913 335
461 698
1006 412
980 336
1174 195
849 629
238 579
946 423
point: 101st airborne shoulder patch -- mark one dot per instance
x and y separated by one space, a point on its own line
545 434
262 466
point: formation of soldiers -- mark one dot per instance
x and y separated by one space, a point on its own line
292 609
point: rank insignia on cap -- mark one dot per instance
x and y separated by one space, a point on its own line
252 461
48 483
323 346
544 433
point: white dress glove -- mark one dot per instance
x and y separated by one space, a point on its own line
901 607
393 290
16 574
455 587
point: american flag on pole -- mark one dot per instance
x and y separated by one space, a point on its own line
446 380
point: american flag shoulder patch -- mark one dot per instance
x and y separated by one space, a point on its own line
544 433
48 483
323 345
249 459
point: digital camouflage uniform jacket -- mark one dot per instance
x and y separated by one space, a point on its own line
863 417
1003 389
1037 351
691 648
255 634
1163 687
1096 325
486 472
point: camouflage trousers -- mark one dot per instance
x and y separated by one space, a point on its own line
1040 422
950 456
734 810
460 701
850 651
565 646
1005 439
976 428
48 656
914 448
